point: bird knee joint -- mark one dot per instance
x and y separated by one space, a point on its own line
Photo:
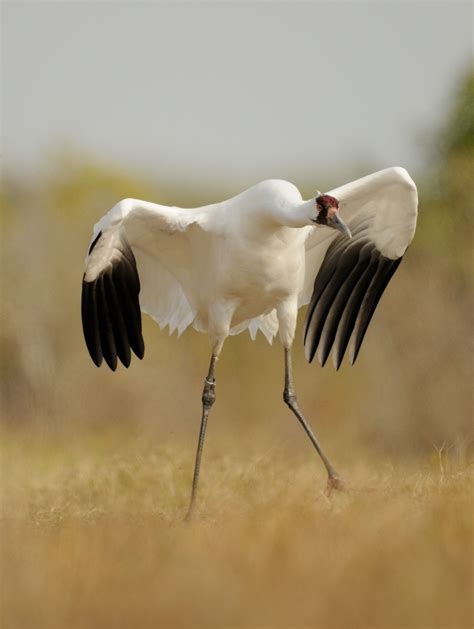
209 393
289 397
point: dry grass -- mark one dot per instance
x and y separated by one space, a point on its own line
93 537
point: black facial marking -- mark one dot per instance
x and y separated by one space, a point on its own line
322 217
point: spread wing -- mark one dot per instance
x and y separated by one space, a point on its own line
352 274
132 231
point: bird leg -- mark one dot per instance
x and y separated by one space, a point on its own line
208 399
289 396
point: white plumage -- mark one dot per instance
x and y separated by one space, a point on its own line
245 255
249 263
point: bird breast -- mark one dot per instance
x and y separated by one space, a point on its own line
256 277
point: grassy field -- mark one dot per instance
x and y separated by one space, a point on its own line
93 536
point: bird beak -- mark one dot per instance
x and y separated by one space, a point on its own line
337 223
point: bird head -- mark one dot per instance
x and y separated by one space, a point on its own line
327 208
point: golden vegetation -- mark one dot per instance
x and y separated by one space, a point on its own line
94 537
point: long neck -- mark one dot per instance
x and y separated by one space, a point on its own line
297 215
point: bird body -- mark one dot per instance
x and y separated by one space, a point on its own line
238 260
233 257
249 263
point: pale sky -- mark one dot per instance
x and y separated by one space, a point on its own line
203 91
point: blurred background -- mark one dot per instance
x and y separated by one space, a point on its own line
189 103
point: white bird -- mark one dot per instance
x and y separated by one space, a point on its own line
249 263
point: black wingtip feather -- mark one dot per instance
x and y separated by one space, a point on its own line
338 304
322 303
130 306
118 325
351 309
90 323
107 339
347 289
382 277
93 243
110 308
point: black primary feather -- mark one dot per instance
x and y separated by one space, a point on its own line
110 307
347 289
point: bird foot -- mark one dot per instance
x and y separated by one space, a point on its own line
334 482
189 516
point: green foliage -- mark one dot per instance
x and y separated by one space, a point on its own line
456 164
458 135
445 226
79 185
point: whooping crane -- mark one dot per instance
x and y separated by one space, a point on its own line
249 263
